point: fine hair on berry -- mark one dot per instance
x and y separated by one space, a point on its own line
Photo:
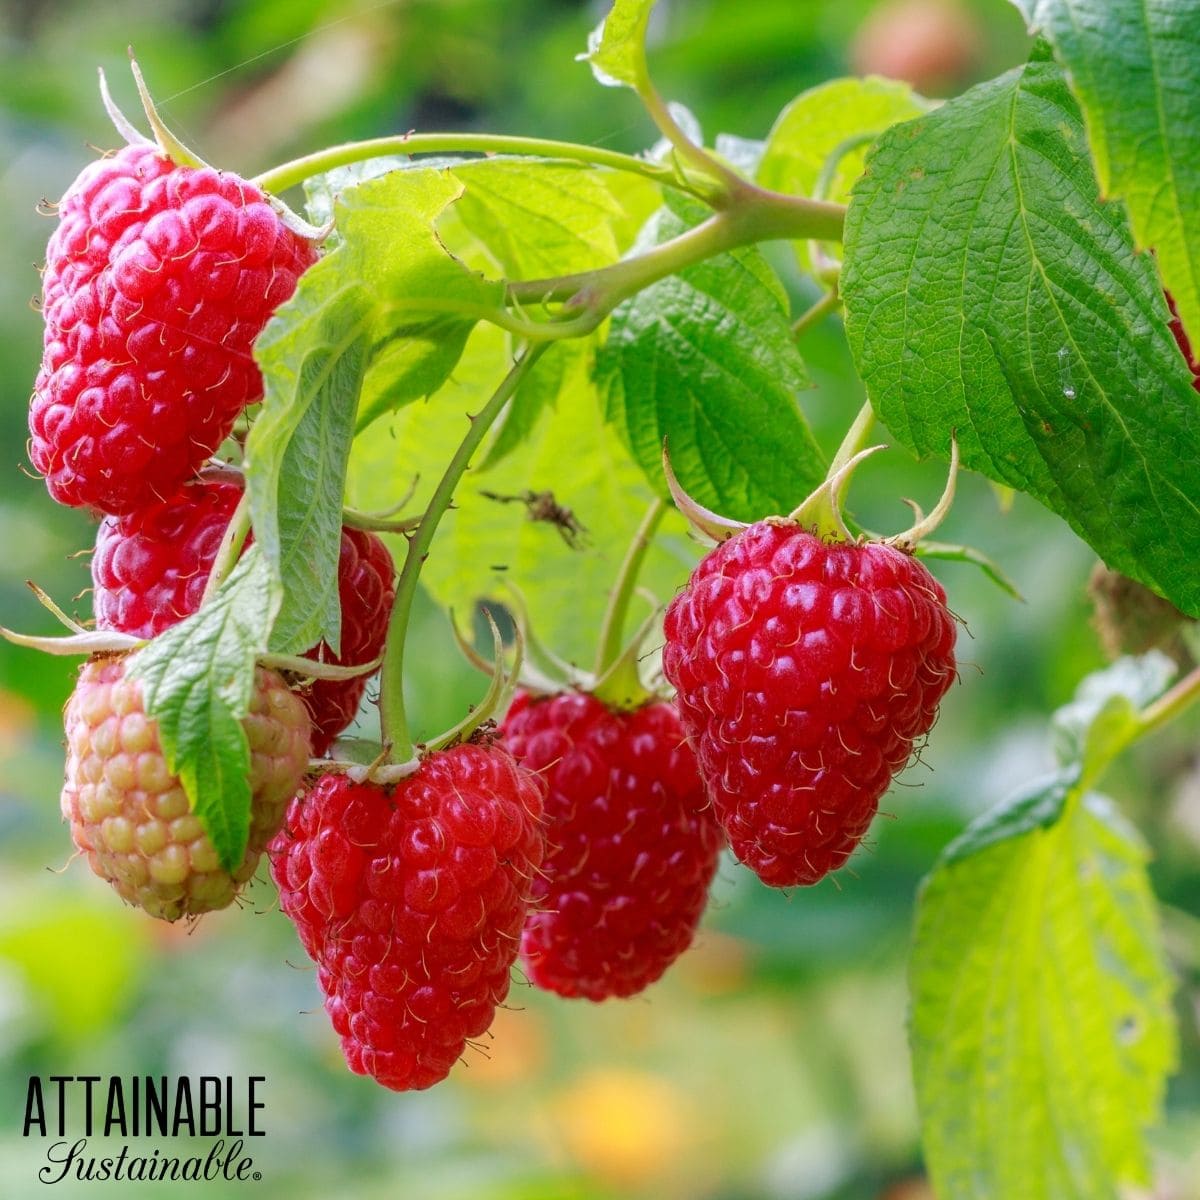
158 279
130 815
806 671
410 898
632 843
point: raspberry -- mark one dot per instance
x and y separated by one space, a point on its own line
150 568
129 814
1182 341
805 672
632 843
158 279
410 899
366 588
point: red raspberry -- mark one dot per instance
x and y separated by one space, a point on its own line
632 843
150 568
805 671
1184 344
158 279
129 814
366 588
410 899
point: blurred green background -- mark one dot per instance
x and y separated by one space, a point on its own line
772 1062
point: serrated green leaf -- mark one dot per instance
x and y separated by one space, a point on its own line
825 120
483 542
616 47
385 314
1135 68
1041 1028
706 360
991 295
1103 716
197 679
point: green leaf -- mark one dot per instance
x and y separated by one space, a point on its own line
1041 1026
706 360
385 314
482 542
197 679
1133 67
991 295
617 46
829 121
537 219
314 356
1103 717
540 218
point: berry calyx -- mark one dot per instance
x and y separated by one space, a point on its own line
158 279
632 843
806 671
410 899
150 569
129 814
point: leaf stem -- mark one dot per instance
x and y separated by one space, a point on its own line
758 216
230 549
1169 705
825 305
613 628
728 182
289 174
393 720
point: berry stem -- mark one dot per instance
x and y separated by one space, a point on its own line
393 721
728 182
289 174
855 440
825 305
1169 705
230 549
613 628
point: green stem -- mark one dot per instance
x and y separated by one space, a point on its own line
230 549
855 440
758 217
289 174
807 319
729 183
613 628
393 720
1169 705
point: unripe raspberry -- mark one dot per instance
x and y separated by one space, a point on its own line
805 671
150 569
632 843
410 899
130 815
158 279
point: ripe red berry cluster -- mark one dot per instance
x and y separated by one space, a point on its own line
158 279
581 836
806 672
